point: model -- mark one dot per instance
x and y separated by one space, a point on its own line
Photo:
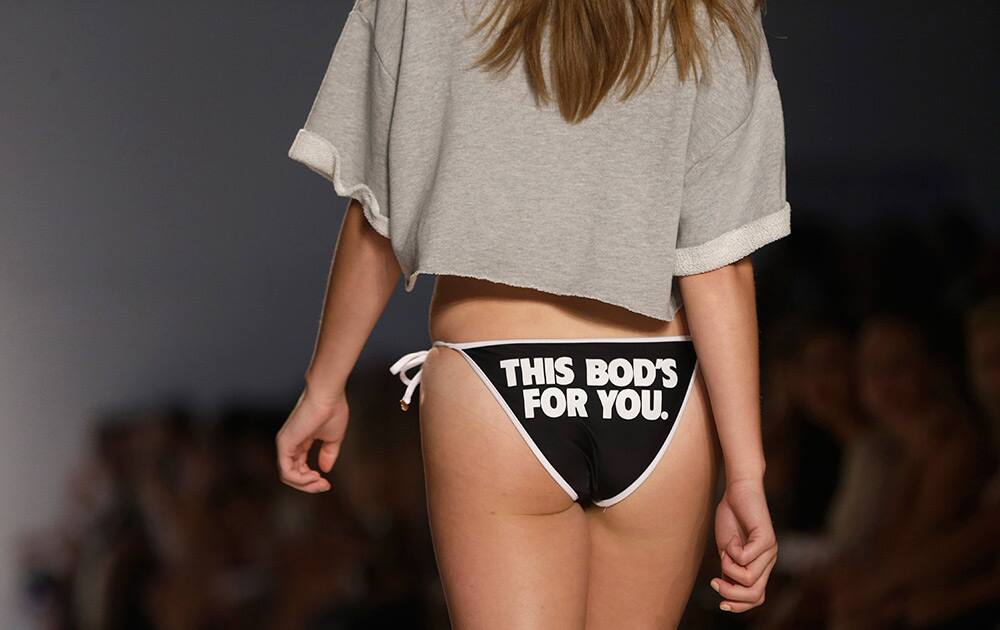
585 180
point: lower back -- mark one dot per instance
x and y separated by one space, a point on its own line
471 309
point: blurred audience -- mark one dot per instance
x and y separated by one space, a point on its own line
181 523
881 390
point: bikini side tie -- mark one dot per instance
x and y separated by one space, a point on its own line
404 363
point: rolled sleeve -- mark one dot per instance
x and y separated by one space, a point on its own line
734 186
346 134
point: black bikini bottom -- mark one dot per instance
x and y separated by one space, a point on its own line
598 413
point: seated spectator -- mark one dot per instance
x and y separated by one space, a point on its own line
956 581
938 466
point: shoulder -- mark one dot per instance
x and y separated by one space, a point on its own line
728 94
385 19
368 10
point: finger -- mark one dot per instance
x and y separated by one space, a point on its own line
305 483
745 593
328 455
734 593
758 542
301 482
293 468
738 607
302 466
723 549
320 485
747 575
727 527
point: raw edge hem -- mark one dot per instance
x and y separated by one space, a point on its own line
323 157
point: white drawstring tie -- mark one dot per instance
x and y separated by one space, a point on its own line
404 363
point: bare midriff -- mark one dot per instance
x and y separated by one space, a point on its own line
470 309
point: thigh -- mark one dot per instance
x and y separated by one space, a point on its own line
646 550
511 545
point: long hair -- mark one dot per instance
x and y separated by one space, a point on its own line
598 44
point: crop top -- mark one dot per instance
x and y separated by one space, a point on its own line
467 175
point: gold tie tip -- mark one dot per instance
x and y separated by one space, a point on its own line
403 404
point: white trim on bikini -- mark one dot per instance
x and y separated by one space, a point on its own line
632 487
527 438
416 358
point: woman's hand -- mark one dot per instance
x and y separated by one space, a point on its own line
313 418
747 545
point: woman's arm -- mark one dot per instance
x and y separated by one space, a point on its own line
722 317
362 278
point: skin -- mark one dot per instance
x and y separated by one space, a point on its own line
500 523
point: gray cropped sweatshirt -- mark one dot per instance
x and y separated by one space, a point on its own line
467 175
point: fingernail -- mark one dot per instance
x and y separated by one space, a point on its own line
715 585
725 607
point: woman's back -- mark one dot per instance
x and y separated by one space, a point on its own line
464 308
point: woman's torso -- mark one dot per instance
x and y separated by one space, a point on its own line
470 309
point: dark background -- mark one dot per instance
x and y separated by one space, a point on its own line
162 261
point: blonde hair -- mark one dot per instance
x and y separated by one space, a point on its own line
587 58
